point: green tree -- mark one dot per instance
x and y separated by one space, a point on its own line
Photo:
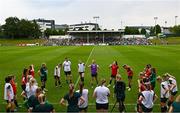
157 29
176 29
152 31
131 31
143 31
11 27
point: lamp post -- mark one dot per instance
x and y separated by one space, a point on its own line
155 20
96 18
165 23
176 20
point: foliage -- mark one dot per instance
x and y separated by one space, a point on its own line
143 31
157 29
131 31
176 29
49 32
16 28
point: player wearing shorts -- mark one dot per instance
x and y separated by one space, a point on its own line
172 87
94 69
164 93
114 71
81 70
57 74
67 70
130 75
43 75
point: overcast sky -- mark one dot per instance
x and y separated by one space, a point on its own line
111 12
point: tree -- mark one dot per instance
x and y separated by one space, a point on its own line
11 27
152 31
157 29
143 31
131 31
176 29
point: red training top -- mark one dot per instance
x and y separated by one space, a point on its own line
31 72
129 71
114 69
13 84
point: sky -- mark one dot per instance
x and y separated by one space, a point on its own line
114 14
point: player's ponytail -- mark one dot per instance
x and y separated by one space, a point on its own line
81 86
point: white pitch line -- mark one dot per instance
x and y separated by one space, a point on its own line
85 64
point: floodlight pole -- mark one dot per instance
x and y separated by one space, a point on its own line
176 20
96 17
155 20
165 23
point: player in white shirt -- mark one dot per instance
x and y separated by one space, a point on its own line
81 70
101 93
147 99
67 70
172 87
164 92
31 88
57 75
84 93
9 95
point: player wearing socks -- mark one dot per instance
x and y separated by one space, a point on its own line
43 74
94 69
81 70
114 71
130 75
57 74
67 70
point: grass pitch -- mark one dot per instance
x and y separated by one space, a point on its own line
14 59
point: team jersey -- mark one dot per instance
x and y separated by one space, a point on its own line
57 71
171 82
13 84
8 88
43 71
67 66
114 69
31 72
85 96
129 71
148 72
148 97
164 87
23 80
94 68
81 67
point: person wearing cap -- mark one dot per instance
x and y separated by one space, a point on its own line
119 91
147 98
101 93
57 75
130 75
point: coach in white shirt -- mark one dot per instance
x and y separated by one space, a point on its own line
101 93
67 70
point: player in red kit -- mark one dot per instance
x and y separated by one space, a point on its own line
114 71
130 75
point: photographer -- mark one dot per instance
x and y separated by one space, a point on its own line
119 91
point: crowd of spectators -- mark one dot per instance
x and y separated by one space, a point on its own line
97 41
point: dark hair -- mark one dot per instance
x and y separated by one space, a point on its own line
153 70
71 90
25 71
7 79
116 63
81 85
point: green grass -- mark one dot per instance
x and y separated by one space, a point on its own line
14 59
169 40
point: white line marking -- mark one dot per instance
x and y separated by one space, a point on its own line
85 64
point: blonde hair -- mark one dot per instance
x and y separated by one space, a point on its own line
178 98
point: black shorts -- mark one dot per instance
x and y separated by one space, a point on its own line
130 77
56 77
113 76
144 109
102 106
67 73
43 79
164 100
174 93
80 73
83 109
94 75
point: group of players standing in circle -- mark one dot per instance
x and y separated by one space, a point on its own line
78 100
